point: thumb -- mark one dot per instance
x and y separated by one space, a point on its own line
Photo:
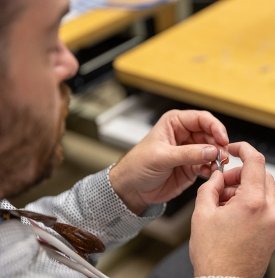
193 154
209 193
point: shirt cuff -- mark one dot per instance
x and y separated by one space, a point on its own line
116 221
217 277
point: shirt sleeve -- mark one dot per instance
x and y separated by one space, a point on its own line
217 277
92 204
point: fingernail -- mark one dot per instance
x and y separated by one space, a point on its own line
209 153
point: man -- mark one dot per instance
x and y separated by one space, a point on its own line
115 203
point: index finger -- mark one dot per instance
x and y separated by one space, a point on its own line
253 171
188 122
197 121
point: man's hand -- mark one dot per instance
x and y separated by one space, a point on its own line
168 160
233 225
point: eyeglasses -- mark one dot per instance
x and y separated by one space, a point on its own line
83 241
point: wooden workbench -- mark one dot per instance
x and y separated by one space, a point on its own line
98 24
222 58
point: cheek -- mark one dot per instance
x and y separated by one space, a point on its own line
46 98
48 105
60 111
38 90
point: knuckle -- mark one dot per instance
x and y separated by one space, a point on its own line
206 113
169 116
259 157
256 155
198 215
201 189
244 144
171 112
256 205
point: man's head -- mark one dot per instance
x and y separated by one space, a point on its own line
33 65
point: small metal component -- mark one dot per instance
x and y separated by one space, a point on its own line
220 162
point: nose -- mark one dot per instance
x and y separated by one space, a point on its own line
67 66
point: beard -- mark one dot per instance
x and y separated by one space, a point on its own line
35 153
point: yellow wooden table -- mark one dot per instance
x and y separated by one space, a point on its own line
222 58
98 24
